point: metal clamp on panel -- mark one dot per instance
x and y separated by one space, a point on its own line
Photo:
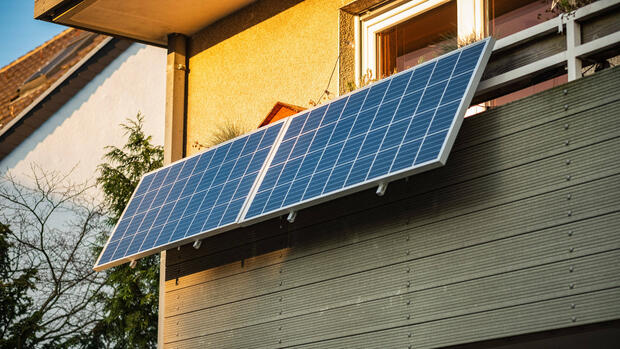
291 216
382 188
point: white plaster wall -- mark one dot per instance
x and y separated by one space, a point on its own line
78 132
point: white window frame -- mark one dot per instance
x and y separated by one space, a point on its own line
371 23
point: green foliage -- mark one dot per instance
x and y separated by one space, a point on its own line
16 330
124 167
565 6
131 307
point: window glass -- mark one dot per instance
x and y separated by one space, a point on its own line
417 40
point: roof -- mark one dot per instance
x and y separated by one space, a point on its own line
280 111
35 86
25 79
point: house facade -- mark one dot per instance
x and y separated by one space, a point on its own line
514 243
63 102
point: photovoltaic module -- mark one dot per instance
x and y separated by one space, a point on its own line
399 126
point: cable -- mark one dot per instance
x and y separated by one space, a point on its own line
330 79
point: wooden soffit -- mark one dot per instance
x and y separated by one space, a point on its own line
145 21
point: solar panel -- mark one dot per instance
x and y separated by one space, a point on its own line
201 194
394 128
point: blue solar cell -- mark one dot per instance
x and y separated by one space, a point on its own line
363 121
232 211
289 171
296 126
258 160
240 166
431 147
163 214
173 173
284 151
350 150
408 106
215 217
420 77
395 134
220 155
360 170
456 88
314 120
384 129
322 137
373 141
431 97
161 195
133 206
309 163
397 86
334 111
177 188
296 191
203 162
148 220
269 136
302 145
343 127
151 237
443 117
383 162
354 104
406 155
385 114
159 178
443 69
375 95
316 185
144 184
146 202
252 144
188 167
469 57
419 125
329 157
338 176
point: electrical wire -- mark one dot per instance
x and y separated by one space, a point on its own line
330 79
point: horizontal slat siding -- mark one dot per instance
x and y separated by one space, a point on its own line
497 123
388 249
518 168
459 254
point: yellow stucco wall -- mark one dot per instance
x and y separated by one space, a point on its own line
240 73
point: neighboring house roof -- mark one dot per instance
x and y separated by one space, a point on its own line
36 85
280 111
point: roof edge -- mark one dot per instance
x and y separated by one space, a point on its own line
53 87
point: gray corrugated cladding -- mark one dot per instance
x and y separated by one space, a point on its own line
518 233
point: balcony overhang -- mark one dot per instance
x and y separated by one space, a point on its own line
148 22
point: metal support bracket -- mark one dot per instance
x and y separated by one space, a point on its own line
133 264
197 244
382 188
291 216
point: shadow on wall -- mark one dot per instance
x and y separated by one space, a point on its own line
30 150
238 22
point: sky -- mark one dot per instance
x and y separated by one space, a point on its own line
20 32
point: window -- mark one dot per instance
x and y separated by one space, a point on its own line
405 33
397 38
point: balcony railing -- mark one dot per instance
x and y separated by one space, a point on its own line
562 45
